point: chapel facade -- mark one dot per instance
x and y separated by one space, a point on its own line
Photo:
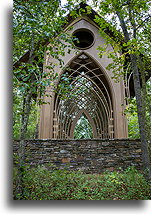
92 90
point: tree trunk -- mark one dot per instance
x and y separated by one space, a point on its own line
25 118
137 88
24 123
141 118
21 152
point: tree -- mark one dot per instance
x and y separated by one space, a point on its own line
39 23
83 129
35 25
132 18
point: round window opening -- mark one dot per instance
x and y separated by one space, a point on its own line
83 38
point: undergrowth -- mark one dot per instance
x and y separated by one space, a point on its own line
43 184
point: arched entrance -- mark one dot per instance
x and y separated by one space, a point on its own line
83 128
88 93
84 113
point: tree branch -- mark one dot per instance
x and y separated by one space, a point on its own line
145 20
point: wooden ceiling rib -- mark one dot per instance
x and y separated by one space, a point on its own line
89 95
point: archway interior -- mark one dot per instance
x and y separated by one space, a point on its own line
88 92
83 129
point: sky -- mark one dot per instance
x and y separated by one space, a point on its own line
63 2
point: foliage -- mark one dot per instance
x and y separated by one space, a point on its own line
132 118
132 18
64 87
43 184
133 127
33 119
35 25
43 19
32 25
83 129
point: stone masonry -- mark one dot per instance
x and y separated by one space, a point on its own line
90 156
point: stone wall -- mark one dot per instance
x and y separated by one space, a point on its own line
90 156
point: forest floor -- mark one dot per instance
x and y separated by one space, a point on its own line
43 184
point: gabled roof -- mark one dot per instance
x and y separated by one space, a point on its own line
92 16
69 19
114 34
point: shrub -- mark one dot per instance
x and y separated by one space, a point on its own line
43 184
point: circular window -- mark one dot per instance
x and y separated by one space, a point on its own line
83 38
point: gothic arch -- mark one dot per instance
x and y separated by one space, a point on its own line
83 111
89 93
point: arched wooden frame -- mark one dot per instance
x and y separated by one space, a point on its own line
106 110
65 111
83 111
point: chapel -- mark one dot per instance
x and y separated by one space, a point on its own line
92 93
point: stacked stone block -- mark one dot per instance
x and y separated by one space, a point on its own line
90 156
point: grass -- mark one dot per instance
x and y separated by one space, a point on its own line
43 184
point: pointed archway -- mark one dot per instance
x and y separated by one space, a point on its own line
92 124
88 93
83 128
